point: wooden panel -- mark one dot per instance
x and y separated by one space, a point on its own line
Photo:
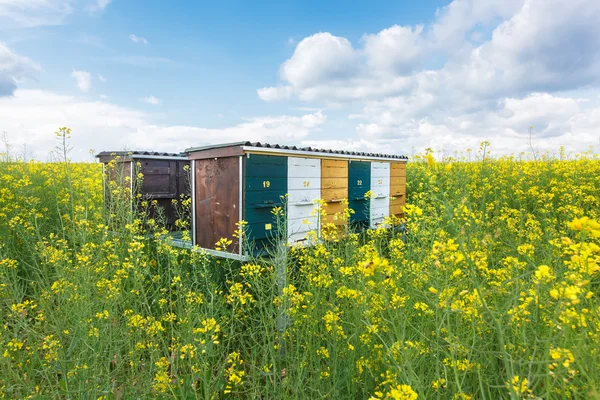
334 188
265 187
396 205
334 183
183 179
304 187
359 182
396 209
217 194
397 169
342 164
329 195
380 186
160 178
397 180
230 151
303 167
397 190
265 167
302 197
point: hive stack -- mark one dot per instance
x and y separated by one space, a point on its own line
247 181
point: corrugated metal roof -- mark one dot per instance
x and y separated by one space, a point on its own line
138 154
284 147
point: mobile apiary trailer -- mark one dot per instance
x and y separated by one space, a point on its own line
246 181
164 176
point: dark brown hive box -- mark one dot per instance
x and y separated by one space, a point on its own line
164 177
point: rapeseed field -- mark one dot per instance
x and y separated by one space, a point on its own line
492 291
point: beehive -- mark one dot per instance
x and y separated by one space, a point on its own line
164 176
246 181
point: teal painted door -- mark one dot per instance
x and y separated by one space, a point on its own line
359 182
265 186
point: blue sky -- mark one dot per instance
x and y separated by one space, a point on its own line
381 76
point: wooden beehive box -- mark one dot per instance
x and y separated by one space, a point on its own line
245 182
164 177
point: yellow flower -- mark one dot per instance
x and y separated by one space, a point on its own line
402 392
544 274
519 386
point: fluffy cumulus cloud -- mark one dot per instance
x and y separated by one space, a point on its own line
480 71
31 116
13 68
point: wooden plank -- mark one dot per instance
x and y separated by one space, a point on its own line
397 190
397 169
266 167
334 172
334 164
334 183
331 219
218 153
334 186
334 194
397 180
396 209
217 193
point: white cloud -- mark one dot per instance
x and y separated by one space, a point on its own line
317 58
30 116
150 100
480 70
536 45
14 68
458 21
138 39
31 13
101 78
279 129
97 6
395 50
83 79
557 121
275 93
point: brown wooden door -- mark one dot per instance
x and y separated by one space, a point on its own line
217 201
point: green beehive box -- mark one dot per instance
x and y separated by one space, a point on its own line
359 182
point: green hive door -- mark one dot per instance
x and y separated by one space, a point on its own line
265 185
359 182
